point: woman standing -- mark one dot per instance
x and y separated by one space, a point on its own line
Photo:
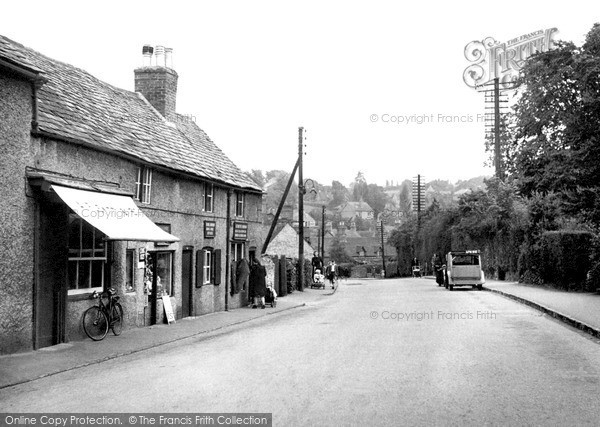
258 283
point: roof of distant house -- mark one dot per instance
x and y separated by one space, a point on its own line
77 107
286 243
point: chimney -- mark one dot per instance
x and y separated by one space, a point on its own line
158 83
147 51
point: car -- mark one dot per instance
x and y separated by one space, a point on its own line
463 268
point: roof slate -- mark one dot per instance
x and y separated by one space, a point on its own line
75 105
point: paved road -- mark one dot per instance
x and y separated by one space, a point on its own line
376 353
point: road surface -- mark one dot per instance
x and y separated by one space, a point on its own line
377 352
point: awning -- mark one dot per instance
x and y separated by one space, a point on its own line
116 216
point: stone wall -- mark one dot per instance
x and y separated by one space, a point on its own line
16 227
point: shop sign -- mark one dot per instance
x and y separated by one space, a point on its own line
240 231
210 229
142 258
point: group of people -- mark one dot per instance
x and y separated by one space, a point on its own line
331 270
256 276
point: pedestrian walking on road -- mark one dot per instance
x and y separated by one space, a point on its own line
331 273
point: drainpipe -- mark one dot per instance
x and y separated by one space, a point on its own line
227 251
34 105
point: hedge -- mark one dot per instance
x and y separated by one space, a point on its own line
559 258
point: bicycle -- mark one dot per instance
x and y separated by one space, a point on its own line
98 319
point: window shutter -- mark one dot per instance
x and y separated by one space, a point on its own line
199 267
217 266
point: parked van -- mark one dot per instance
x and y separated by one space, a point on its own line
463 268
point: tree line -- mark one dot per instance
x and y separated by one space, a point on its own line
539 221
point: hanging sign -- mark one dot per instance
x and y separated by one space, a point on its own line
142 258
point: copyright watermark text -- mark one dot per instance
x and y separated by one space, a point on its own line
431 118
420 316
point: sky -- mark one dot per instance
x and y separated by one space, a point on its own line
253 72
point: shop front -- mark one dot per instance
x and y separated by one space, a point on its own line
82 234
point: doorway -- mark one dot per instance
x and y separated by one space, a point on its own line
187 307
159 274
50 292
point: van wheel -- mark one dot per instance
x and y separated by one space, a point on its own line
451 287
480 287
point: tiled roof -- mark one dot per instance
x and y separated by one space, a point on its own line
75 105
12 52
286 243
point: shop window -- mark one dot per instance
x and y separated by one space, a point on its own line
159 270
239 203
143 184
87 257
208 196
130 270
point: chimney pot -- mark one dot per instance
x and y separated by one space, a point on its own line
147 51
160 56
169 57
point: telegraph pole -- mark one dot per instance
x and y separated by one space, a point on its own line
323 233
301 192
495 100
382 249
499 173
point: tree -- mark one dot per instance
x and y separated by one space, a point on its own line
359 189
339 192
403 239
556 139
276 183
376 198
338 253
258 177
406 199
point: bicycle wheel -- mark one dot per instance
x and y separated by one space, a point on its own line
116 319
95 323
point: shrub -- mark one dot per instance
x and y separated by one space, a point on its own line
345 270
565 258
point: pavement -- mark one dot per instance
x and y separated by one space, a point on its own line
578 309
24 367
581 310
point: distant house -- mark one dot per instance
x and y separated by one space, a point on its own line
105 187
351 210
286 243
362 246
309 221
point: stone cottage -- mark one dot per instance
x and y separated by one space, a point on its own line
104 187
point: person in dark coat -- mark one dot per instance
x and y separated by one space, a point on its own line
242 272
258 283
436 262
317 263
